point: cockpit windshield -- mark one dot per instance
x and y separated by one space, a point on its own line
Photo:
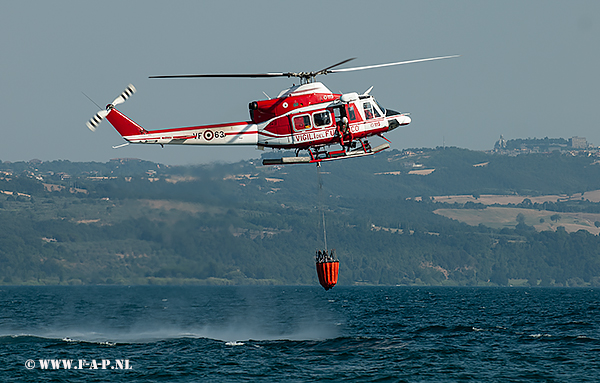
386 112
379 106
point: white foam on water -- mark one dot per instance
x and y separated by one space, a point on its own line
233 333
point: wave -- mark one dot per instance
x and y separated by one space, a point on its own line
111 337
51 339
344 345
564 338
437 329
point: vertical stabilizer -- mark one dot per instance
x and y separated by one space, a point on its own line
123 124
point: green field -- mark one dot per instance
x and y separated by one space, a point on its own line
506 217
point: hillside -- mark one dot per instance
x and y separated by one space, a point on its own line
135 222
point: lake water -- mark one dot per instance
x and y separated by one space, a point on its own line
298 334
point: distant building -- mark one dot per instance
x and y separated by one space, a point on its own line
531 145
500 144
574 145
578 142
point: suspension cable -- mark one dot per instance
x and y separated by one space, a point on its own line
321 204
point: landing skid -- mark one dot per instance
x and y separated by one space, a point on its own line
317 155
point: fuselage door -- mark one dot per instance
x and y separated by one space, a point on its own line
339 112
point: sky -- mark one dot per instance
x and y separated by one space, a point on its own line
527 69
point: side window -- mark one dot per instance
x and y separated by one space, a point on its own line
301 122
368 110
322 119
351 113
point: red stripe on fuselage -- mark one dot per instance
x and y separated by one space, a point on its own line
215 126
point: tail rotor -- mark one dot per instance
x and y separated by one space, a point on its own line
93 123
128 92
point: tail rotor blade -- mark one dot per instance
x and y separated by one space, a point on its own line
130 90
93 123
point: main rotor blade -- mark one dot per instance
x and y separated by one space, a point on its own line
334 65
238 75
255 75
390 64
307 76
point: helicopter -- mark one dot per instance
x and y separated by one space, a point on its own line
305 117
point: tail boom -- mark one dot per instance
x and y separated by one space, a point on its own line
237 133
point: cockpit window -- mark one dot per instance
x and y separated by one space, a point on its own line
370 112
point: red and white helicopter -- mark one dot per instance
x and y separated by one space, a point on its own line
304 117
